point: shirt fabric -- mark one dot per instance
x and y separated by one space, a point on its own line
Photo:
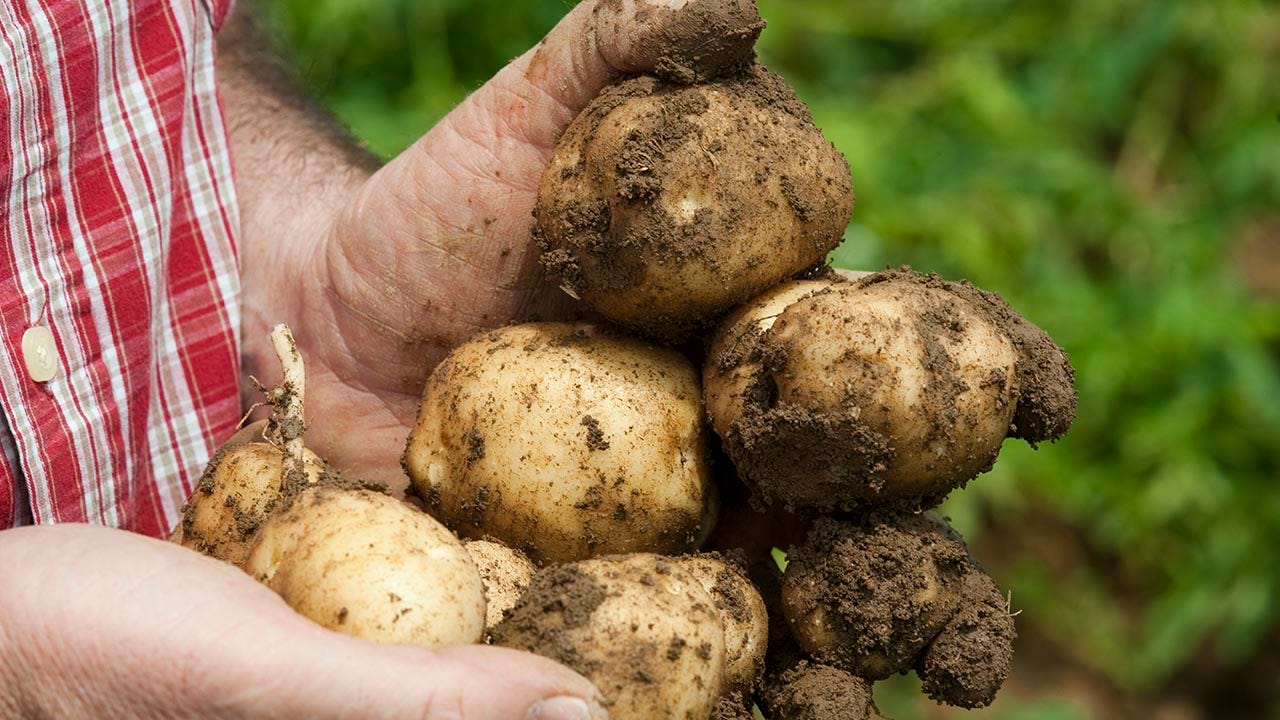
117 233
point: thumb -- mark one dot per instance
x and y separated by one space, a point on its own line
467 682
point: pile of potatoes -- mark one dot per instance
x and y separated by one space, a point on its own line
573 474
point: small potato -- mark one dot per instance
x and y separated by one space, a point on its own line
895 388
506 574
869 598
240 487
743 613
566 441
638 626
362 563
666 205
817 692
968 662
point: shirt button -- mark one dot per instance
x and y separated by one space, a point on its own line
40 353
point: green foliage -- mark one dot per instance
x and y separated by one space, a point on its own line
1094 161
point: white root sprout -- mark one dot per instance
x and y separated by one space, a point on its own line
288 418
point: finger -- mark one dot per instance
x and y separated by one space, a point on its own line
475 682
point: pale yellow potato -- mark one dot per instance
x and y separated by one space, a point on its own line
240 487
639 626
365 564
666 205
743 613
506 574
897 387
566 441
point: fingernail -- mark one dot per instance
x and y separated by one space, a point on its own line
560 708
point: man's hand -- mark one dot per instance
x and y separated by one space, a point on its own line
100 623
381 275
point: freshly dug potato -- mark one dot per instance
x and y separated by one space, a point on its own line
506 574
362 563
970 659
666 205
869 598
745 619
240 488
638 626
817 692
895 388
566 441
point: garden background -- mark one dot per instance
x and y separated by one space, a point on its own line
1112 167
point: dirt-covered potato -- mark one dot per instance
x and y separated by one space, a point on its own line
971 658
666 205
362 563
742 611
807 691
240 487
566 441
506 574
869 598
639 626
894 388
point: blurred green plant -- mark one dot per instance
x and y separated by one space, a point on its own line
1096 162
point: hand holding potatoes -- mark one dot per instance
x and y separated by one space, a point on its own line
581 464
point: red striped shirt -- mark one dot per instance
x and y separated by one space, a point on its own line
117 233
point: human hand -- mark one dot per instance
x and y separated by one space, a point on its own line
98 623
436 246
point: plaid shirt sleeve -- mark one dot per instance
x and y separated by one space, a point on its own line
117 234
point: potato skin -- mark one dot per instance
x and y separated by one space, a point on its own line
892 389
506 574
666 205
362 563
239 489
743 613
638 626
566 441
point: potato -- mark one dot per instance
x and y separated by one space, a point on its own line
895 388
869 598
565 441
817 692
240 487
743 614
506 574
666 205
639 626
362 563
970 659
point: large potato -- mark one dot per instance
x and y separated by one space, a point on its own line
565 441
640 627
240 487
666 205
362 563
897 387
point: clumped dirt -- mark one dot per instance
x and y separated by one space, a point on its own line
711 38
969 661
730 707
810 691
820 459
883 589
559 600
606 224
